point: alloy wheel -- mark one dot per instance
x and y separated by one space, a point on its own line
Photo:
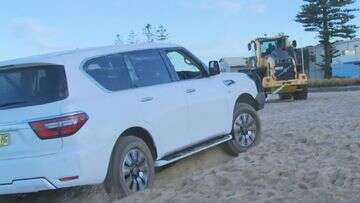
135 170
245 129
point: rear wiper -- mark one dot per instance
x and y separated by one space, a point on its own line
12 103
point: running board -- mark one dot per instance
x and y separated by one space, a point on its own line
192 150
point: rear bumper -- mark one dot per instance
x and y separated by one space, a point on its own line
26 186
289 86
261 98
275 83
36 174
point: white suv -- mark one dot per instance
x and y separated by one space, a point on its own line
112 114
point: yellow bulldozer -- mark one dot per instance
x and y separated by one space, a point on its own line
277 66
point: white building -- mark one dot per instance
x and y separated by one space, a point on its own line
349 52
232 64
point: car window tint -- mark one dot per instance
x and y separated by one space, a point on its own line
184 66
110 72
148 68
32 86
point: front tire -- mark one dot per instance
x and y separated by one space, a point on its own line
246 130
301 95
131 169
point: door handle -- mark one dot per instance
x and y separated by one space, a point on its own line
147 99
190 91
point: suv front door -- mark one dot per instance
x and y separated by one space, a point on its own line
206 96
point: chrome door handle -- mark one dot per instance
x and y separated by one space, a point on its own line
229 82
190 91
147 99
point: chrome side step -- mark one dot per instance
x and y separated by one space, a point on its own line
192 150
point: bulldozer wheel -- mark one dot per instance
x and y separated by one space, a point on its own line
301 95
284 96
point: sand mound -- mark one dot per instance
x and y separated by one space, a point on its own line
310 152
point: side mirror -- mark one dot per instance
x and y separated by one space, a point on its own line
249 46
214 68
294 43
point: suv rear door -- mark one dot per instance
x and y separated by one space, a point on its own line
161 101
28 93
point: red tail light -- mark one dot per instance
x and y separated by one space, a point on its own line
69 178
59 127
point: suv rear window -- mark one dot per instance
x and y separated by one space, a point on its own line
149 68
110 72
30 86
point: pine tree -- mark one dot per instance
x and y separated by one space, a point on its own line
118 40
161 33
331 20
148 32
132 37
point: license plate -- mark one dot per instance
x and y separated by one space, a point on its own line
4 140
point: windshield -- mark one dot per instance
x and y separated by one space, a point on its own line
266 47
32 86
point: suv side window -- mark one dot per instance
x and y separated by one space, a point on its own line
185 67
147 68
109 71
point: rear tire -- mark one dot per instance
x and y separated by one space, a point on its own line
301 95
131 168
246 130
284 96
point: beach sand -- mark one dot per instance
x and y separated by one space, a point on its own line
309 152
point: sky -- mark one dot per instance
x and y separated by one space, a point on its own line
211 29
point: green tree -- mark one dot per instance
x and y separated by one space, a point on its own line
118 40
148 32
132 37
161 33
331 20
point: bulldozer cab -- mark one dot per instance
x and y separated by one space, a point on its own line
265 46
268 46
276 63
